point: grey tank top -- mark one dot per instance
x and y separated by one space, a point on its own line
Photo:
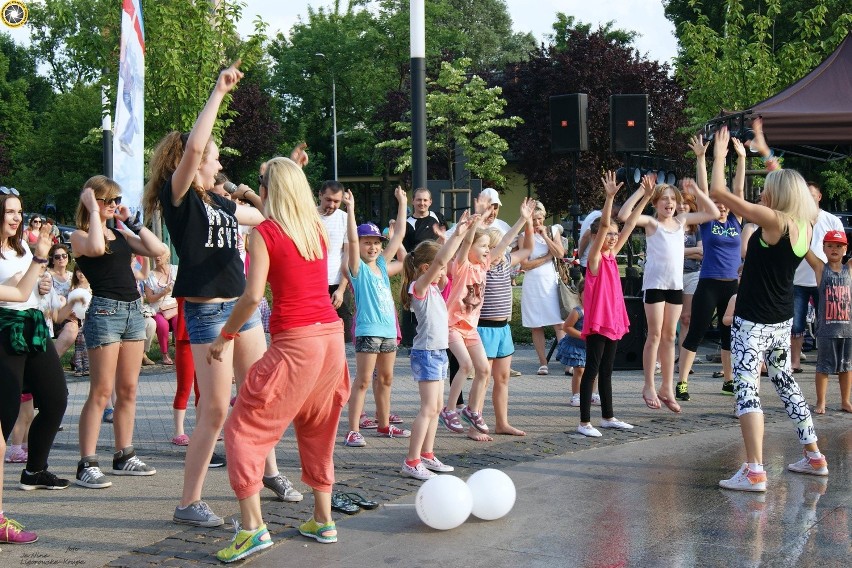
835 303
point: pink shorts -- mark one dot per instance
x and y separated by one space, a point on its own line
469 337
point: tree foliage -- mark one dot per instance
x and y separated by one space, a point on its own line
461 112
593 64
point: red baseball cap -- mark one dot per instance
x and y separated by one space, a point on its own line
835 237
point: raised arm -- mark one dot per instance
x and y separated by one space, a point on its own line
445 254
201 131
464 247
20 291
141 240
707 210
648 183
354 258
89 243
400 225
816 263
739 176
525 245
527 208
699 148
610 190
638 196
759 144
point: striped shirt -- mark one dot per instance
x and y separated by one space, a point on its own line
497 304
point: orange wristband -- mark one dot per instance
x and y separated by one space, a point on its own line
228 336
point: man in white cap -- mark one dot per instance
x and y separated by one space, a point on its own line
487 204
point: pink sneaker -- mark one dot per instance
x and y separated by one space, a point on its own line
16 455
182 440
366 423
392 432
12 532
450 420
394 418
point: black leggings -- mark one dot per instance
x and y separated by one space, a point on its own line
41 374
600 357
454 368
710 295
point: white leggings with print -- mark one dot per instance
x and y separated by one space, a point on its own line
753 343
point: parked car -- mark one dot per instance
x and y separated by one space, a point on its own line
846 218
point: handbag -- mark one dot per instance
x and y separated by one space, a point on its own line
568 297
169 308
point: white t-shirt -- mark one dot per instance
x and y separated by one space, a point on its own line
17 265
825 222
335 226
585 227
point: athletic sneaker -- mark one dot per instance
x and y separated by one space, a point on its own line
681 391
728 387
12 532
745 480
367 423
125 462
245 543
16 454
41 480
616 424
474 419
283 488
417 472
588 430
575 399
450 420
394 418
434 464
354 440
90 475
596 399
108 415
216 461
197 514
812 466
325 534
393 432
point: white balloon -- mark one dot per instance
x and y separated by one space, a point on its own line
443 502
493 494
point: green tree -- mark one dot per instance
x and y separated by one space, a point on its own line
461 112
565 26
16 123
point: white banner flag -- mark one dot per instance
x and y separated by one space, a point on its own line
128 141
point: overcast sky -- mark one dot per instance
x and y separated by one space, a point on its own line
644 16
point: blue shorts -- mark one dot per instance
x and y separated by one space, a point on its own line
497 341
112 321
429 365
204 322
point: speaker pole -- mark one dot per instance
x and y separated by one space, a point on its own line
575 207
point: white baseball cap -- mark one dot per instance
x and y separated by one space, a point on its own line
491 194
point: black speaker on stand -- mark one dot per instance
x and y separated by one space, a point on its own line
628 354
628 123
569 125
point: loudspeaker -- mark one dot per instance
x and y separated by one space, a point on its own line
569 127
628 354
628 123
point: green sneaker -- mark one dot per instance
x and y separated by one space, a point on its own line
728 387
325 534
245 543
681 391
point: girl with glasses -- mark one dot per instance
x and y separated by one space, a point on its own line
32 230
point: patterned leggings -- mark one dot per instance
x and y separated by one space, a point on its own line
753 343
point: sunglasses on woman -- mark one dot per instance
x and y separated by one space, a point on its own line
111 201
9 190
35 222
60 256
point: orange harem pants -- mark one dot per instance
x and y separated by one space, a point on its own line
302 378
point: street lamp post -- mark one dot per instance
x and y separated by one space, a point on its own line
333 115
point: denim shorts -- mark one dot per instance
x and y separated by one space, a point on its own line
111 321
204 322
801 298
371 344
429 365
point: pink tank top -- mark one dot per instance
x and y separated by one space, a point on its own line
603 302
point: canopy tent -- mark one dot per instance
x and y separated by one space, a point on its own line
813 116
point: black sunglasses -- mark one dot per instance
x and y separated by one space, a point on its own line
36 221
8 190
59 256
112 200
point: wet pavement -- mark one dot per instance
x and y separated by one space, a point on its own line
647 497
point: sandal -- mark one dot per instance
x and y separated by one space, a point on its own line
340 502
361 501
182 440
670 404
543 370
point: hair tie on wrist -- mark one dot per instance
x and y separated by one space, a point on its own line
228 336
38 260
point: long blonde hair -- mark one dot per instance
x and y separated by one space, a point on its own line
104 188
290 203
787 193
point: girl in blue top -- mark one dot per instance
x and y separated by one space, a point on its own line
375 317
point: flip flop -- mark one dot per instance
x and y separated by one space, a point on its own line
340 502
670 404
650 403
361 501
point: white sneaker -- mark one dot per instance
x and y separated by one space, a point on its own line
418 472
434 464
616 424
575 399
658 368
596 399
588 430
745 480
812 466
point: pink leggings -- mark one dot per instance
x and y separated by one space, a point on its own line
184 366
163 327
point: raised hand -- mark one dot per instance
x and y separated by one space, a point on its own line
122 212
720 145
527 208
87 198
229 77
690 187
698 146
759 142
649 182
349 200
739 147
463 224
45 241
299 155
610 186
400 195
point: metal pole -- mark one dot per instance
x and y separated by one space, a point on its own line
418 93
334 120
106 136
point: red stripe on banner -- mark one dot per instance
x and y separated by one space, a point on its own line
130 9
